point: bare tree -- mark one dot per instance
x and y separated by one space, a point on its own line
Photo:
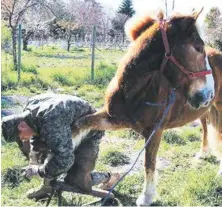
13 11
118 23
78 18
214 28
37 27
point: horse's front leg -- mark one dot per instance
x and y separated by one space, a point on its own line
149 189
204 143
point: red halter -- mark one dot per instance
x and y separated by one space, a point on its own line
169 56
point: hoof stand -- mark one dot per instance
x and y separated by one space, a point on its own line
59 187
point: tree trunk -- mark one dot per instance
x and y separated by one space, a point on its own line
123 36
14 47
68 46
68 42
25 38
25 44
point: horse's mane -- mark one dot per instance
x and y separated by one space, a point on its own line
134 29
138 24
138 72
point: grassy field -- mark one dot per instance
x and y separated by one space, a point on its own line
181 180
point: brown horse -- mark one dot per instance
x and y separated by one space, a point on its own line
163 55
212 121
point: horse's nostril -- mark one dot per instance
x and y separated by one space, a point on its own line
206 103
197 106
211 95
199 97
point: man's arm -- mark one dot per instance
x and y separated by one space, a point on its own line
58 137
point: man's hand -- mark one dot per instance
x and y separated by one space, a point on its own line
31 170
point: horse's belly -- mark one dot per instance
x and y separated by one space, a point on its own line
185 116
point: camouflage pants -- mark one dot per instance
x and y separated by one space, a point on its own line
80 174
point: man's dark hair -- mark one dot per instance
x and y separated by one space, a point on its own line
10 130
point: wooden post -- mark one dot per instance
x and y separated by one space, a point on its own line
166 7
93 52
173 5
19 50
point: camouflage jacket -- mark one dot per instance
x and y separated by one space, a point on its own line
51 117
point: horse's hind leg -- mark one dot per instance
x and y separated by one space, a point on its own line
149 189
97 121
204 143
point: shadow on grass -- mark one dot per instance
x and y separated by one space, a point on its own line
98 202
125 199
58 56
212 160
161 203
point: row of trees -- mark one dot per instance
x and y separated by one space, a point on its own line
71 20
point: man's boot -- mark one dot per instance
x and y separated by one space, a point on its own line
107 185
44 191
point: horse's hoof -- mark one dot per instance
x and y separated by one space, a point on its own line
202 154
144 200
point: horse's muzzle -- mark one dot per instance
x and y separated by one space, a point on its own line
201 98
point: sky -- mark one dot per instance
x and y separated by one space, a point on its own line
185 6
182 6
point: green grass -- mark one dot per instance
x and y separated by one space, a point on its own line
114 158
51 67
183 182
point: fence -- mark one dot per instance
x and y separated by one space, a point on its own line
94 43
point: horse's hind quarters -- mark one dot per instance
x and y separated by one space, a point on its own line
201 98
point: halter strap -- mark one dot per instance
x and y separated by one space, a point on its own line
169 56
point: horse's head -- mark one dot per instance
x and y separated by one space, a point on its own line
176 48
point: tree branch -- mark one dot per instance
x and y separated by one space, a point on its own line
23 10
5 6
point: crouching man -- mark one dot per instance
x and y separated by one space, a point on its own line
45 125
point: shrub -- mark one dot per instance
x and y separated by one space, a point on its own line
63 79
191 134
29 69
77 49
27 79
114 158
9 79
12 177
173 137
6 37
104 73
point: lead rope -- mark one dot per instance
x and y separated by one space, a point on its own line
171 99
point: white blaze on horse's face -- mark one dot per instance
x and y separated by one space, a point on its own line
210 84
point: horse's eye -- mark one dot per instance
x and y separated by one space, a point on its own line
199 48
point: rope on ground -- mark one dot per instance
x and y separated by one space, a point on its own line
171 99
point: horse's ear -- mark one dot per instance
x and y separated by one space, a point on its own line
196 14
160 15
